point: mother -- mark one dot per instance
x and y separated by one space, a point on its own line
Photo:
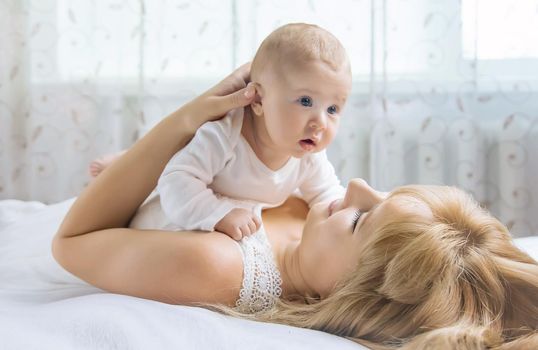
423 267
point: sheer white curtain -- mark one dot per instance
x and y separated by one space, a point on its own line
456 101
444 91
81 78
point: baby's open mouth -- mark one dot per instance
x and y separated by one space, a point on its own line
309 141
307 144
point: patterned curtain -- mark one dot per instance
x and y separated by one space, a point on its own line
444 92
468 113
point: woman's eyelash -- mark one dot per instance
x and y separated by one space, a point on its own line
356 218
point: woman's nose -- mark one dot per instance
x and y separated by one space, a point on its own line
359 195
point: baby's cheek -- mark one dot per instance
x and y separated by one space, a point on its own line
334 125
329 135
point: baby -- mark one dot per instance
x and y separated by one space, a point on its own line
264 152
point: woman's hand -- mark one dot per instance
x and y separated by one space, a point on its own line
232 92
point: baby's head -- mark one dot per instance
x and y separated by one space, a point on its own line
295 45
303 77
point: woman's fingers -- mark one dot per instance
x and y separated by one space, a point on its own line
220 105
232 92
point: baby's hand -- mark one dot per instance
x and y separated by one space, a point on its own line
238 223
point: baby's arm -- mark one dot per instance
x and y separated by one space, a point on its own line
185 198
321 184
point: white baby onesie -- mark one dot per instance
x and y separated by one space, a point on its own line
218 171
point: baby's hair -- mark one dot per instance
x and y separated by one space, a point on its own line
298 43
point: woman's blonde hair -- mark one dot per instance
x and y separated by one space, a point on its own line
452 279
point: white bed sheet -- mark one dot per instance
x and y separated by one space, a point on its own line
44 307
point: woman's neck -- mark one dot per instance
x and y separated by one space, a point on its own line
294 284
256 135
284 226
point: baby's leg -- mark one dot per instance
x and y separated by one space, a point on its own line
99 164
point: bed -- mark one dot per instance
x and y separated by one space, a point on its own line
44 307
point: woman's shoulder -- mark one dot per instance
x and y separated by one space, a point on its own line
173 267
216 267
201 267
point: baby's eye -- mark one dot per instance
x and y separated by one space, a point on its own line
332 109
306 101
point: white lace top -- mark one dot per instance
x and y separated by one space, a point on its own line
261 278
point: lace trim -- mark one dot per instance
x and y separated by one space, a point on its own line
261 280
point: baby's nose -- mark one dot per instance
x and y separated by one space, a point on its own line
318 122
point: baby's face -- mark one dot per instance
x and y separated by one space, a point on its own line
302 107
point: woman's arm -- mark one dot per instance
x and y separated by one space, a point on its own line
113 197
92 242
